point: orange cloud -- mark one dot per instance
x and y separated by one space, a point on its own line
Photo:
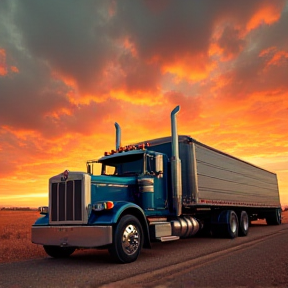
274 57
130 46
3 66
268 14
137 97
227 41
188 67
280 57
14 69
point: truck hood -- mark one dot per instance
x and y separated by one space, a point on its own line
114 179
113 188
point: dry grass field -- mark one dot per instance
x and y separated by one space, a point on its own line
15 235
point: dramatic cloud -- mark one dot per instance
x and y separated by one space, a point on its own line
70 69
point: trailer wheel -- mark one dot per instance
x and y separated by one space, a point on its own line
58 252
243 224
232 227
274 218
127 240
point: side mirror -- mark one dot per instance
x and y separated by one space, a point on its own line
159 165
88 168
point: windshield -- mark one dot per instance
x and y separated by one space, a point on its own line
124 165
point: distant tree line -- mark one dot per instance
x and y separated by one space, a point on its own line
18 209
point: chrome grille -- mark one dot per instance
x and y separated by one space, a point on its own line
66 201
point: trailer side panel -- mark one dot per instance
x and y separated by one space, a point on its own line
227 180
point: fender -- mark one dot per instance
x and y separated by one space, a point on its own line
44 220
111 217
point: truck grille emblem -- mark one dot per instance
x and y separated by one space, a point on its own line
65 175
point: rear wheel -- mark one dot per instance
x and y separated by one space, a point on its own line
224 224
232 227
127 240
58 252
243 223
274 218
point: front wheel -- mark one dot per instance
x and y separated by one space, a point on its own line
58 252
127 240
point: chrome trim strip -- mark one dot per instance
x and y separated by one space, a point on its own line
76 236
144 189
146 181
109 185
146 185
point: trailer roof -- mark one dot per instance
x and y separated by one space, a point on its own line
189 139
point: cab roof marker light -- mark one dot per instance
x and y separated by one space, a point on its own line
122 149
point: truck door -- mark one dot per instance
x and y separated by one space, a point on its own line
155 167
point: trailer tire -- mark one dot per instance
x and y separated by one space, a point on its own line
127 240
58 252
232 226
274 218
243 223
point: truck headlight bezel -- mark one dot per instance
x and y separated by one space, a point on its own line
43 210
103 205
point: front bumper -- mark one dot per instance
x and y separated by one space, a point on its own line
76 236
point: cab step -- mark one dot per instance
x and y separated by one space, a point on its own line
168 238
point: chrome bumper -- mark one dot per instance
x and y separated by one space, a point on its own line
77 236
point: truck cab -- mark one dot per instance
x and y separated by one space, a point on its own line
131 202
134 175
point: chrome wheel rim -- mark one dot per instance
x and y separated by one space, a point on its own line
245 222
130 239
233 224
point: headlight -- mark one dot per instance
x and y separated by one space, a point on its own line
43 210
99 206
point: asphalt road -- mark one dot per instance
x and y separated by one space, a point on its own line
258 260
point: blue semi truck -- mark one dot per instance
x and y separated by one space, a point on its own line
158 190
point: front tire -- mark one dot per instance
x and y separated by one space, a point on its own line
58 252
127 240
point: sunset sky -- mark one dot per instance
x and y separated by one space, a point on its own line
70 69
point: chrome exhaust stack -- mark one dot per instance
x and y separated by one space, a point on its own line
118 135
176 165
